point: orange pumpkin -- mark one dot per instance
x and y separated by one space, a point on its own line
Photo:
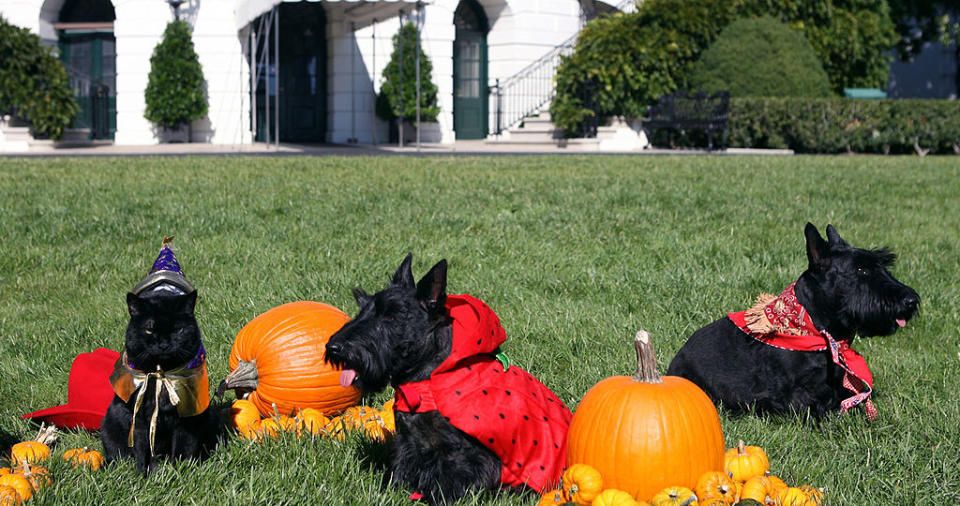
552 498
9 496
84 456
674 496
311 420
35 450
614 497
761 489
242 413
744 462
717 485
19 483
794 496
814 495
581 483
279 358
644 433
38 476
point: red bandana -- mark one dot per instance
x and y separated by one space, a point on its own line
782 322
505 408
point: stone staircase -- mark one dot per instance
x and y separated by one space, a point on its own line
538 129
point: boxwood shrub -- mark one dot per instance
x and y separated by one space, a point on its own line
838 125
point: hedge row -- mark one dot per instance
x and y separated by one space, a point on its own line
836 125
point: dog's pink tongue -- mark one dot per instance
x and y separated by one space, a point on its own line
901 322
346 377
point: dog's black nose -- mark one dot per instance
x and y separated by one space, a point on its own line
912 301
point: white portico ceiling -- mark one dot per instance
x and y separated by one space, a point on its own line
360 12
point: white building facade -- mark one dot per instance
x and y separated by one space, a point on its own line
305 71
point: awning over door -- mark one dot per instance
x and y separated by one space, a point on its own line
360 12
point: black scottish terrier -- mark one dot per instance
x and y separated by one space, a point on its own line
746 360
162 335
456 407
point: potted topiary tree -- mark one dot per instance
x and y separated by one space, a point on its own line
176 93
34 89
398 92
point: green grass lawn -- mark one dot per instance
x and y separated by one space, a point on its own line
574 253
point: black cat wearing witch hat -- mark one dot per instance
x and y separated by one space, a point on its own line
162 403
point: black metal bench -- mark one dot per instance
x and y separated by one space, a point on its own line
681 111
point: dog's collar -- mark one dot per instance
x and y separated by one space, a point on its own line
781 321
187 387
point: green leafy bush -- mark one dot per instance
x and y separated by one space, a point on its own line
33 83
389 101
634 58
837 125
175 93
781 62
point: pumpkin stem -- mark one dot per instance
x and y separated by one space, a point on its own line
47 434
741 448
646 359
244 377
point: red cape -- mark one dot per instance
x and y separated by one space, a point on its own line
784 323
506 409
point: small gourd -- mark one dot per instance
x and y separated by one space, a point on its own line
85 457
552 498
717 485
38 476
19 483
581 483
35 450
9 496
614 497
241 414
674 496
311 420
744 462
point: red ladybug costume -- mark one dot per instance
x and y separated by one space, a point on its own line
502 406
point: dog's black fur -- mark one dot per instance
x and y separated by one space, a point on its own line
401 335
845 290
162 331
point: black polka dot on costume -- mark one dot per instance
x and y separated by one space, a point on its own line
543 468
519 464
508 392
484 392
525 417
513 441
545 419
479 341
476 417
457 391
535 443
502 417
490 440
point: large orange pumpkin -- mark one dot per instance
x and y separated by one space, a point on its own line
646 432
278 359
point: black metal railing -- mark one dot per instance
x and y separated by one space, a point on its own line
529 90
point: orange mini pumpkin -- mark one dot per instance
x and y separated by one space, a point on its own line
717 485
241 414
614 497
311 421
581 483
9 496
35 450
279 358
85 457
552 498
674 496
644 433
19 483
744 462
38 476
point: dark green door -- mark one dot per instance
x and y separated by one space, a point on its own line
303 79
90 60
470 72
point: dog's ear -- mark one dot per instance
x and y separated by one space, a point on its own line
818 251
134 304
361 297
404 275
834 238
432 288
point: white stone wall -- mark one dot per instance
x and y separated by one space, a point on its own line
521 31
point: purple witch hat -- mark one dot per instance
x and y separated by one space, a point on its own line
166 274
